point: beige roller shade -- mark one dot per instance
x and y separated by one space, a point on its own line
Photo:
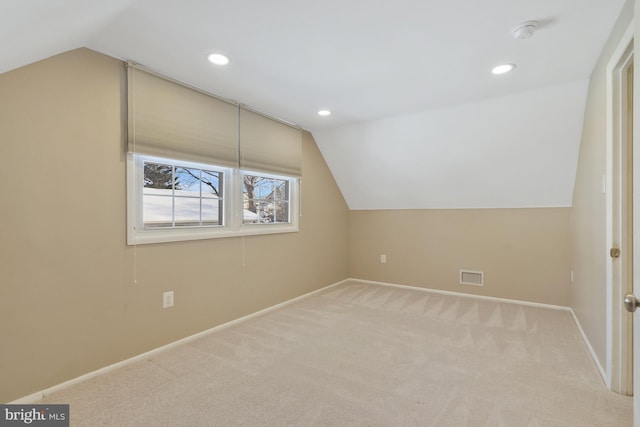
267 145
167 119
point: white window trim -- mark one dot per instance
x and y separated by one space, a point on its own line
233 207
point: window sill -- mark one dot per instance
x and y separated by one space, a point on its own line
198 233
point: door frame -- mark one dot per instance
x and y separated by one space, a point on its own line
619 368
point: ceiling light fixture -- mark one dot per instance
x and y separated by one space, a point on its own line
525 30
218 59
502 69
324 113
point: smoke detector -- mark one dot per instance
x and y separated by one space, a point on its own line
525 30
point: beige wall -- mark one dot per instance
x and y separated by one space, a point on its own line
68 302
524 253
588 220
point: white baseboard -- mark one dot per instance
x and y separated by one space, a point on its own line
465 295
35 397
526 303
590 348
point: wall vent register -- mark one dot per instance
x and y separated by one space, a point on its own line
468 277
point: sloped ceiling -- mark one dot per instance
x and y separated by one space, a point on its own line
418 121
514 151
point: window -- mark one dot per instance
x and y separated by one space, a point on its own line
265 199
199 167
173 200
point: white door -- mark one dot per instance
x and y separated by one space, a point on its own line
620 218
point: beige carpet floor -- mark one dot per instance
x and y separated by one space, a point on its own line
365 355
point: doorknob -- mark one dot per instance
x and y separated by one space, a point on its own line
631 302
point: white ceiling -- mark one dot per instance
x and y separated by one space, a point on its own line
408 81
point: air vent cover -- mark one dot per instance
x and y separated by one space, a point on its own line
468 277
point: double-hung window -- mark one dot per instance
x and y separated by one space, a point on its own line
199 167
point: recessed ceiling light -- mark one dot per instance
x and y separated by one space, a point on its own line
218 59
324 113
504 68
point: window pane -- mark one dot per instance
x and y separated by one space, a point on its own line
274 212
261 187
266 212
281 211
187 211
157 208
158 175
211 184
211 211
188 181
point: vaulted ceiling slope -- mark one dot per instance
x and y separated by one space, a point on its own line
418 121
510 152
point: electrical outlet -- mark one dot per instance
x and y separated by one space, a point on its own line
383 259
167 299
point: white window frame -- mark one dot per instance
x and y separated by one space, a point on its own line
232 206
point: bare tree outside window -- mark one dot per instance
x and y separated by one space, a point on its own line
268 198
